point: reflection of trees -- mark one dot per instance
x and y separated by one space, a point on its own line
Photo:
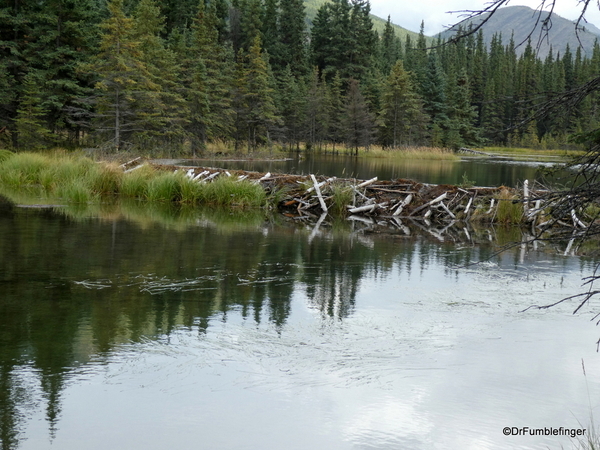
73 291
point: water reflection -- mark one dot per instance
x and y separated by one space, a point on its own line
80 291
482 172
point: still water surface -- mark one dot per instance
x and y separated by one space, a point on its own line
480 171
232 332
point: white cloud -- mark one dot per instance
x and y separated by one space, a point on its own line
436 14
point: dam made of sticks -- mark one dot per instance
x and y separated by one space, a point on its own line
310 197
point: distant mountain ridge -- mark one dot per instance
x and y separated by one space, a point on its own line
520 21
312 6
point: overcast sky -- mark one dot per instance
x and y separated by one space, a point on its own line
409 13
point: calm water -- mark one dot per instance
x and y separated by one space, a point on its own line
481 171
150 329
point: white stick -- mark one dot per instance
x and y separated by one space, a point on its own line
243 177
432 202
129 162
318 191
447 210
210 177
491 207
200 175
321 184
135 168
401 206
468 205
363 208
266 177
576 221
366 183
526 196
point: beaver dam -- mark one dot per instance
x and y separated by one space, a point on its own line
311 196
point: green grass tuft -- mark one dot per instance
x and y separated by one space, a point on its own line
508 212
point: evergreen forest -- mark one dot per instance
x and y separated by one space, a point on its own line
182 76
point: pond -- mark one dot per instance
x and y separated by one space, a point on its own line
479 171
190 329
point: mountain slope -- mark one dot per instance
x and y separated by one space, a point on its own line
312 6
521 20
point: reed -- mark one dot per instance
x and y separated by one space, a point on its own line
75 191
228 191
5 154
22 169
135 184
509 211
343 195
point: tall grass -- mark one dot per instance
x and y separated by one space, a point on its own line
343 195
229 191
78 179
509 212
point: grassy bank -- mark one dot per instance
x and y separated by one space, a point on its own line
77 179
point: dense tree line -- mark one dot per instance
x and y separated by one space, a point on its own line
180 75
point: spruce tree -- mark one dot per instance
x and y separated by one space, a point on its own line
165 118
126 95
401 119
260 111
358 121
31 127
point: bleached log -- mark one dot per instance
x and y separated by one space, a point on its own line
468 205
402 204
445 208
369 201
363 208
243 177
129 162
366 183
467 233
134 168
227 173
210 177
318 192
432 202
526 197
321 184
576 221
534 211
266 177
200 175
190 174
491 206
356 191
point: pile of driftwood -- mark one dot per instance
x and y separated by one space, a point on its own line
309 196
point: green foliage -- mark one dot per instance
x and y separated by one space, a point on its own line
174 77
401 120
510 209
342 196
